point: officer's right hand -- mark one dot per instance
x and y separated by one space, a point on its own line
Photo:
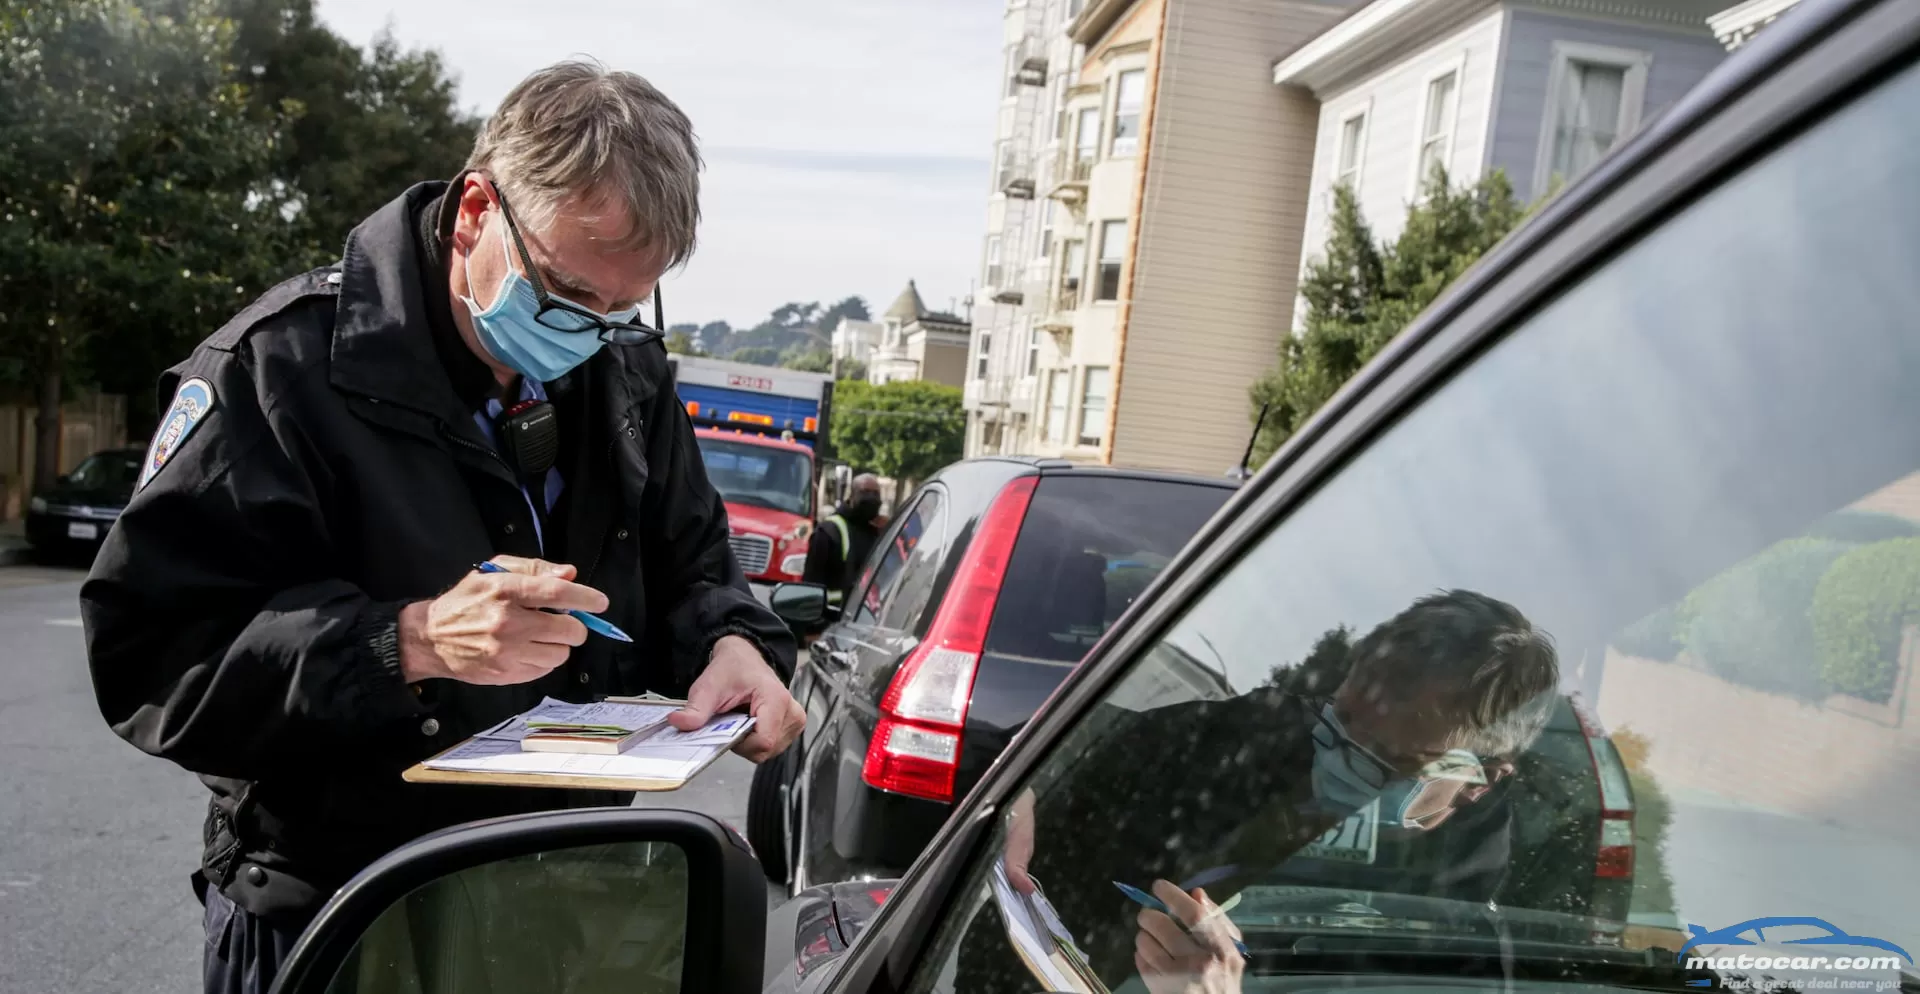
490 628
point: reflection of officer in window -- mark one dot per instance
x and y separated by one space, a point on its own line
841 544
1424 717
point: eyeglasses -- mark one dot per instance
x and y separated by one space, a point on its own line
1365 764
567 316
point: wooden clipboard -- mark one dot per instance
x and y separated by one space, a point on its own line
421 773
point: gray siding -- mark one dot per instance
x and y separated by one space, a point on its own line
1680 60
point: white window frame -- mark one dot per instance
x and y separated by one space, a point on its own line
1033 350
1059 385
981 354
1633 97
1083 114
1364 112
1113 114
1457 66
1097 237
1078 428
993 262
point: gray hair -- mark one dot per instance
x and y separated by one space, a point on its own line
580 130
1498 673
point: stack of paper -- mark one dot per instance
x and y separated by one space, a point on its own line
668 754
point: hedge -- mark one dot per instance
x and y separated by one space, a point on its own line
1751 623
1656 636
1863 527
1859 610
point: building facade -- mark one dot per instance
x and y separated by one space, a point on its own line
855 341
1143 228
1737 25
1540 89
916 343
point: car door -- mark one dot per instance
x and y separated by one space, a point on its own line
1655 469
857 656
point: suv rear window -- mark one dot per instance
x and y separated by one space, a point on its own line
1090 545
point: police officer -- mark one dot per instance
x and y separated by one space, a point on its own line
288 606
840 545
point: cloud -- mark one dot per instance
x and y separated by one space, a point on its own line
847 140
943 167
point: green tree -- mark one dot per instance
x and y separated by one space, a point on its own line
808 360
851 369
364 125
758 355
140 207
904 431
1360 294
680 342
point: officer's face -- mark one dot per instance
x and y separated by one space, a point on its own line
578 256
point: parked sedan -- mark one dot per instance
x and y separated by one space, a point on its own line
72 518
1637 407
992 584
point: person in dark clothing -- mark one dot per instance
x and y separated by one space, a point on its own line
1413 731
288 606
843 540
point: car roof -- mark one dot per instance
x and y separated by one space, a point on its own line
751 438
1047 466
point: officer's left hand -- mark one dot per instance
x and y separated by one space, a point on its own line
737 674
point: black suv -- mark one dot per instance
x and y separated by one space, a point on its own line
987 589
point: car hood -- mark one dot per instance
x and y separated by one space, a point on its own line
750 519
79 496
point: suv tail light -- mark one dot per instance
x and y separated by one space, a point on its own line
1614 857
916 746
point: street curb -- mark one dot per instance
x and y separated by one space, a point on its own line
15 556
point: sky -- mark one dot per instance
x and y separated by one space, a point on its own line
847 141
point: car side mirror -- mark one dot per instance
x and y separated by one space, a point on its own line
600 899
803 606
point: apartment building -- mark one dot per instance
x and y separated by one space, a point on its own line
1541 89
1143 227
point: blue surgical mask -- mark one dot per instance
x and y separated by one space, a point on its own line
511 332
1399 796
1346 775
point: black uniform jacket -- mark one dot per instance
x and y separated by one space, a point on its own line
241 617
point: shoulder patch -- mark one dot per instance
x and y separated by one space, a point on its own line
192 402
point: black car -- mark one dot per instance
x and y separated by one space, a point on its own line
1623 426
72 519
983 594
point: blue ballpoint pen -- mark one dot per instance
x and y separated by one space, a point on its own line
1146 900
599 626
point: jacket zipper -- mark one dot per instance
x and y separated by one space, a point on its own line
626 428
475 446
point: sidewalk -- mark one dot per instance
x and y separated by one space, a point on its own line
13 543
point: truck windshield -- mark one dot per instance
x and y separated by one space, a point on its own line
759 475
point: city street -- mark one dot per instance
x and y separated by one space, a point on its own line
99 839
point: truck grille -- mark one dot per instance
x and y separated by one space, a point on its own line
753 552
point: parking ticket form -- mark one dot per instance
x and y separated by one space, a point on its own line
665 760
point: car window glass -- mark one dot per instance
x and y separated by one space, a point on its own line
1088 547
106 471
890 554
1606 648
589 919
904 608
